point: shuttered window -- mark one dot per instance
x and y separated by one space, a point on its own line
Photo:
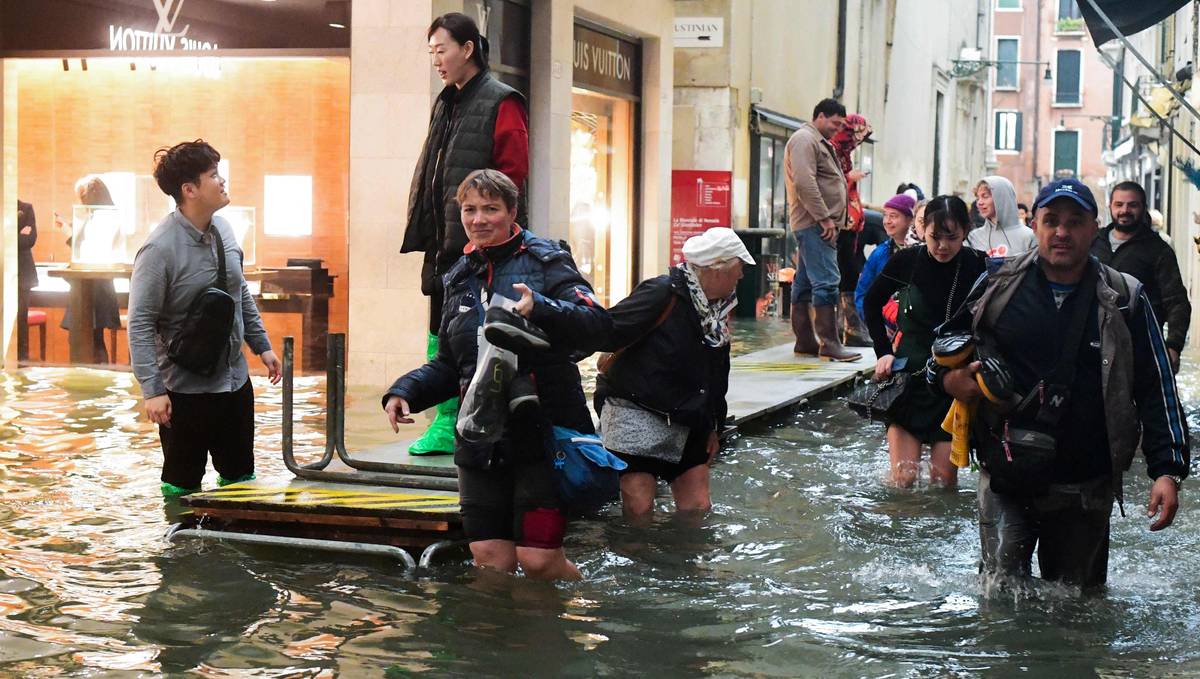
1068 77
1008 51
1008 131
1066 153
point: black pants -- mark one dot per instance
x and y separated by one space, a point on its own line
1069 526
850 259
201 424
23 324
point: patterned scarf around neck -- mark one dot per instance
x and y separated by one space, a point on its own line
714 316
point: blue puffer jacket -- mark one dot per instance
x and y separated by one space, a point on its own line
875 263
565 307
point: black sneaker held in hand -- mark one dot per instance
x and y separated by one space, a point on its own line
512 331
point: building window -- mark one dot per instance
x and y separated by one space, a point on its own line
1008 4
1008 51
1068 78
1068 9
1066 153
1008 131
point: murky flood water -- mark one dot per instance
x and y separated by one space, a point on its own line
808 566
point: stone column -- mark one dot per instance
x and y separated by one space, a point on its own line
390 93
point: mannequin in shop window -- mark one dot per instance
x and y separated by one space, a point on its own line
99 239
477 123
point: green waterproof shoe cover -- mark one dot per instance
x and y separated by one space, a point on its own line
438 439
170 490
222 481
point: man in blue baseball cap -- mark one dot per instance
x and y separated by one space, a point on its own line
1081 344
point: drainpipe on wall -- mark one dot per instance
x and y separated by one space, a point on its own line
1037 100
839 83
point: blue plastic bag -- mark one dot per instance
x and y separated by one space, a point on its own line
587 472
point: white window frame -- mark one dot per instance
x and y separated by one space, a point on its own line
996 73
1054 148
1020 7
1055 103
996 114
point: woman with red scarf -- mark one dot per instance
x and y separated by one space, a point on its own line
849 244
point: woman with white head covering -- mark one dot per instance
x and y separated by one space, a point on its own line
661 398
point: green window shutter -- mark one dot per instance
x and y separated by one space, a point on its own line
1066 151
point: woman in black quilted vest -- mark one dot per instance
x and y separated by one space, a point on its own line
477 123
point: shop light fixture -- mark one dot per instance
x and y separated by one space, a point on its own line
337 13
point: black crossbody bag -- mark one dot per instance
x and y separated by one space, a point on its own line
1018 450
203 341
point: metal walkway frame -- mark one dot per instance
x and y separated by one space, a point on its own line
365 471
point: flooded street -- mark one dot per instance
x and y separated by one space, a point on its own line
808 566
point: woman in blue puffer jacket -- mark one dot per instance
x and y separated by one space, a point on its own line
512 514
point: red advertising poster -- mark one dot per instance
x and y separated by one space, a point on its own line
699 201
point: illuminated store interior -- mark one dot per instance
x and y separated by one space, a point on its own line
280 124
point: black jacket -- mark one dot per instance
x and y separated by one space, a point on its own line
26 270
1148 258
564 307
670 370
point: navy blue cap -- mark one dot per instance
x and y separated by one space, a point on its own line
1067 188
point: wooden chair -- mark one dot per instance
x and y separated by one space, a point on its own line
37 317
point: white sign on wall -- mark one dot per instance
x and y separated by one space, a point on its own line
699 31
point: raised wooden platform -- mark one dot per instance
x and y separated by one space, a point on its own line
761 383
346 512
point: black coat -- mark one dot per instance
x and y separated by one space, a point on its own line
1148 258
565 308
670 370
27 277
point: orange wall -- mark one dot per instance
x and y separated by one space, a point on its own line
266 116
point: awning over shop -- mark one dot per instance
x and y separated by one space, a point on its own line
1128 17
764 120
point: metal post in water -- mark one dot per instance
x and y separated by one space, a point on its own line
405 476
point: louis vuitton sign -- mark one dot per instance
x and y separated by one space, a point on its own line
606 62
165 26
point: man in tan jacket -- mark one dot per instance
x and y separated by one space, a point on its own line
816 197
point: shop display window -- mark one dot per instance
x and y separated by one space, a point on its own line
288 206
602 181
281 124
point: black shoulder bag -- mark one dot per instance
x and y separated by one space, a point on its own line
1019 449
203 341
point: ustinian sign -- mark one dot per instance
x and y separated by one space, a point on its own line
699 201
606 62
699 31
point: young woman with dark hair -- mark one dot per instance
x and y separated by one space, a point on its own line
477 123
932 280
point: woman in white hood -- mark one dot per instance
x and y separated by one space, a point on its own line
1003 235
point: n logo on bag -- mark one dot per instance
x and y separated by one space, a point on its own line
1057 400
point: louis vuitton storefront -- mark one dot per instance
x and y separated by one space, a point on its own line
92 89
320 114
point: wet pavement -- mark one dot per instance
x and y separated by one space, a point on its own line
808 566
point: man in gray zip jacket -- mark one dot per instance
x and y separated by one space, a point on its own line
196 414
1057 496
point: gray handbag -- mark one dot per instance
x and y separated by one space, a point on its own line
627 428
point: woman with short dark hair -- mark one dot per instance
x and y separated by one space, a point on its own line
512 512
